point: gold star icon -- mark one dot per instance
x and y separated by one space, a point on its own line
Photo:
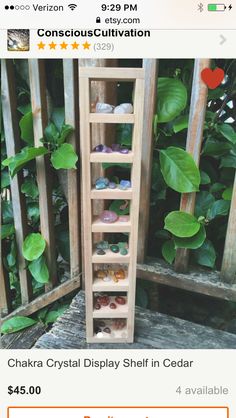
64 45
75 45
52 45
41 45
86 45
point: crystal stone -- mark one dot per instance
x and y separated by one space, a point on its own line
120 274
124 184
99 148
124 108
114 248
100 252
108 216
112 185
124 151
123 251
124 218
102 245
115 147
101 183
104 108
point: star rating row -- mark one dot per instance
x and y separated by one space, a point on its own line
63 45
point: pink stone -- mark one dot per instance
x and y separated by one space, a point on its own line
108 216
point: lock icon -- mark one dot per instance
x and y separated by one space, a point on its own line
98 20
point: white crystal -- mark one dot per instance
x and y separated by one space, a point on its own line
124 108
104 108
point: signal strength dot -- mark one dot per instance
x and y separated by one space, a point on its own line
72 6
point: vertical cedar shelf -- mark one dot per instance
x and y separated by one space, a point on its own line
91 225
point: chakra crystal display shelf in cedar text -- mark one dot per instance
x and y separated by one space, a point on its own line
91 225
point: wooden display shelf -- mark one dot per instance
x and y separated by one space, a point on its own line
111 118
118 226
110 257
100 286
113 157
106 312
111 194
93 225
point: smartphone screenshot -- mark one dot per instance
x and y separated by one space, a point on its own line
118 209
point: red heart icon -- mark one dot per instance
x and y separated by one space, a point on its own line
212 78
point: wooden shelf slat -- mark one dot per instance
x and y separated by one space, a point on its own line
100 286
111 194
114 157
111 73
111 118
118 226
110 257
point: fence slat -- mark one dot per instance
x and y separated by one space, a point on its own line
150 66
70 70
44 176
13 145
228 269
193 146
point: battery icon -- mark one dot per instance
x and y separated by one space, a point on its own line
216 7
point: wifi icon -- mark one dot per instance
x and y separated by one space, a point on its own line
72 6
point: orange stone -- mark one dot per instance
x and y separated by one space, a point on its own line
100 274
120 274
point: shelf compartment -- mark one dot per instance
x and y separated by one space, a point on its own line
111 118
111 73
100 286
113 157
111 194
99 226
110 257
106 312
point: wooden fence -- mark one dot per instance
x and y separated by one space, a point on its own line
215 284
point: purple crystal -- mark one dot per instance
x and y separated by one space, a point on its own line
99 148
108 150
112 185
115 147
124 151
108 216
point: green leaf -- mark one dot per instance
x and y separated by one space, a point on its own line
219 208
16 323
52 316
217 187
168 251
193 242
124 134
171 99
181 224
229 161
64 157
228 132
179 170
11 257
109 165
33 213
204 201
116 207
58 117
38 269
23 109
5 179
227 194
63 242
27 154
51 134
65 132
180 123
206 255
26 128
7 230
205 179
33 246
30 188
215 148
7 212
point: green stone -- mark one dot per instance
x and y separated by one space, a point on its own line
123 251
102 245
114 248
